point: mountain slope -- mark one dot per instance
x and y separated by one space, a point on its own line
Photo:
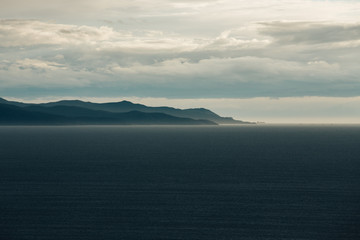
34 114
10 114
126 106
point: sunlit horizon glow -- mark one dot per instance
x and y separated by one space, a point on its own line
267 60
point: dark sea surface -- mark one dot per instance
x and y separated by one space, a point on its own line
245 182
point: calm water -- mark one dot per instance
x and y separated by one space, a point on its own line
248 182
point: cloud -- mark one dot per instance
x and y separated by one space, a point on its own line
37 73
240 69
180 48
21 33
181 77
27 33
38 64
199 18
311 32
243 62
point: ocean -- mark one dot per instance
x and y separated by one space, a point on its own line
167 182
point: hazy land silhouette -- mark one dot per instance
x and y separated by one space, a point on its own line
123 113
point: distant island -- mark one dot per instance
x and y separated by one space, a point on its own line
76 112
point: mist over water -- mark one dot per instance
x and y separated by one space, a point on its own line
209 182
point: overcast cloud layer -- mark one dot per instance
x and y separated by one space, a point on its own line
180 48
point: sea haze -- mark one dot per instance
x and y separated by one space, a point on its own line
205 182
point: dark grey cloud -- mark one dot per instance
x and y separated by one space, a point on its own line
311 32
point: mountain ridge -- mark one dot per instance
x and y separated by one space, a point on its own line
14 115
125 106
113 110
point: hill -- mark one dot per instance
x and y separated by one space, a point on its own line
116 110
126 106
67 115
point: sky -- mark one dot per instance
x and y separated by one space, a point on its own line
261 60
